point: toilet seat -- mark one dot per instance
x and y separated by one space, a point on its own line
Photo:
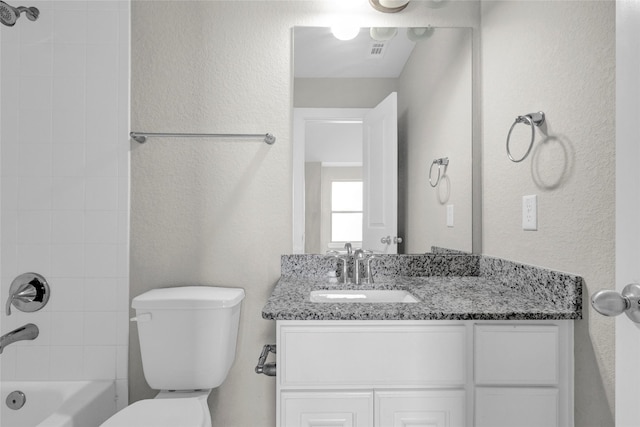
183 412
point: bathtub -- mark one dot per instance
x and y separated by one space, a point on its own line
59 403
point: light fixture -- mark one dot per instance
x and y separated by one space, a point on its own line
419 33
389 6
345 32
383 34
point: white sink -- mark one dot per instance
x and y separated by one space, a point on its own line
365 295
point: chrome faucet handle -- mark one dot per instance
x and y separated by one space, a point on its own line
28 292
345 265
349 249
367 270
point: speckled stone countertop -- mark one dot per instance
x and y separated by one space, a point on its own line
449 287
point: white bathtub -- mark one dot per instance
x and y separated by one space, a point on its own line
59 403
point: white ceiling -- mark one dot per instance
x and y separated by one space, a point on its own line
317 53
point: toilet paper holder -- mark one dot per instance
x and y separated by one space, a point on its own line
268 369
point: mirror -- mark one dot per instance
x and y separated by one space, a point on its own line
339 139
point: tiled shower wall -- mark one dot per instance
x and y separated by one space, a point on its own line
64 187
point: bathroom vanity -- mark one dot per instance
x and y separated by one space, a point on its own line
488 344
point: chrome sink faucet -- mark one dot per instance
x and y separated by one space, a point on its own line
26 332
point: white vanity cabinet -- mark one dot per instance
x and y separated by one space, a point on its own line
434 373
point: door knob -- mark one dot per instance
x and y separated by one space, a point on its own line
611 303
386 240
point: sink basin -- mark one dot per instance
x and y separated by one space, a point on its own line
365 295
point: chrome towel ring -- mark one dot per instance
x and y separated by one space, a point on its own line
444 161
532 119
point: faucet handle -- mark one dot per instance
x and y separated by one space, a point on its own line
28 292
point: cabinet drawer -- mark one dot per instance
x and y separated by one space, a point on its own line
434 408
339 409
371 355
517 407
516 354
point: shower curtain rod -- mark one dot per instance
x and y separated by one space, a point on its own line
141 137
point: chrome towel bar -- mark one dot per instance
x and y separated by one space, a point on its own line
141 137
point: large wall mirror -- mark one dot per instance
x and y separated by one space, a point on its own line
371 116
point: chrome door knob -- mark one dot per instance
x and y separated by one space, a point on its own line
611 303
386 240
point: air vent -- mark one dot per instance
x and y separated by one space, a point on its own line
377 49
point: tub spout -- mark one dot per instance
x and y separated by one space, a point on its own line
26 332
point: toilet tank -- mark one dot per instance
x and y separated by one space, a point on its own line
187 335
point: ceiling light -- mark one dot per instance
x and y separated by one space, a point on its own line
382 34
345 32
419 33
389 6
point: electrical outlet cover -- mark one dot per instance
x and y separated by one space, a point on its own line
530 213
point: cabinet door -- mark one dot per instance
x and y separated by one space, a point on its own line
517 407
326 409
429 408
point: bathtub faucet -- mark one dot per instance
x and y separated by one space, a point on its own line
26 332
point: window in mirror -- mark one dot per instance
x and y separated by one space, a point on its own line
346 212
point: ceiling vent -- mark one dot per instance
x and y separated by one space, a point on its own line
377 49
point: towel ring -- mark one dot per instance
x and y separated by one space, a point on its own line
532 119
440 162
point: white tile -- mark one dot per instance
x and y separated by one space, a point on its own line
8 364
67 226
9 227
67 328
67 260
69 59
100 328
36 59
36 258
101 226
68 159
35 92
70 26
9 191
100 294
102 26
122 362
68 92
34 193
65 5
102 193
34 227
122 302
9 261
35 124
35 160
102 58
69 125
122 332
32 363
99 363
66 362
122 394
123 224
68 295
101 260
68 193
102 160
10 154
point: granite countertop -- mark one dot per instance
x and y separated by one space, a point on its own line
499 290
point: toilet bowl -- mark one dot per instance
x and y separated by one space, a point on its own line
187 342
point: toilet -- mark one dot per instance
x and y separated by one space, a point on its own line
188 344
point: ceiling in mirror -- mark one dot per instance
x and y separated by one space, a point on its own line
374 53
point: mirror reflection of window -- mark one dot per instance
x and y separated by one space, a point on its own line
346 212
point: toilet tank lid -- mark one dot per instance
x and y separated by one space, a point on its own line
188 297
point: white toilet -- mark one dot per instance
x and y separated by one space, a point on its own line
188 344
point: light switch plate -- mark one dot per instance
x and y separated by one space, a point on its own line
530 213
449 215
